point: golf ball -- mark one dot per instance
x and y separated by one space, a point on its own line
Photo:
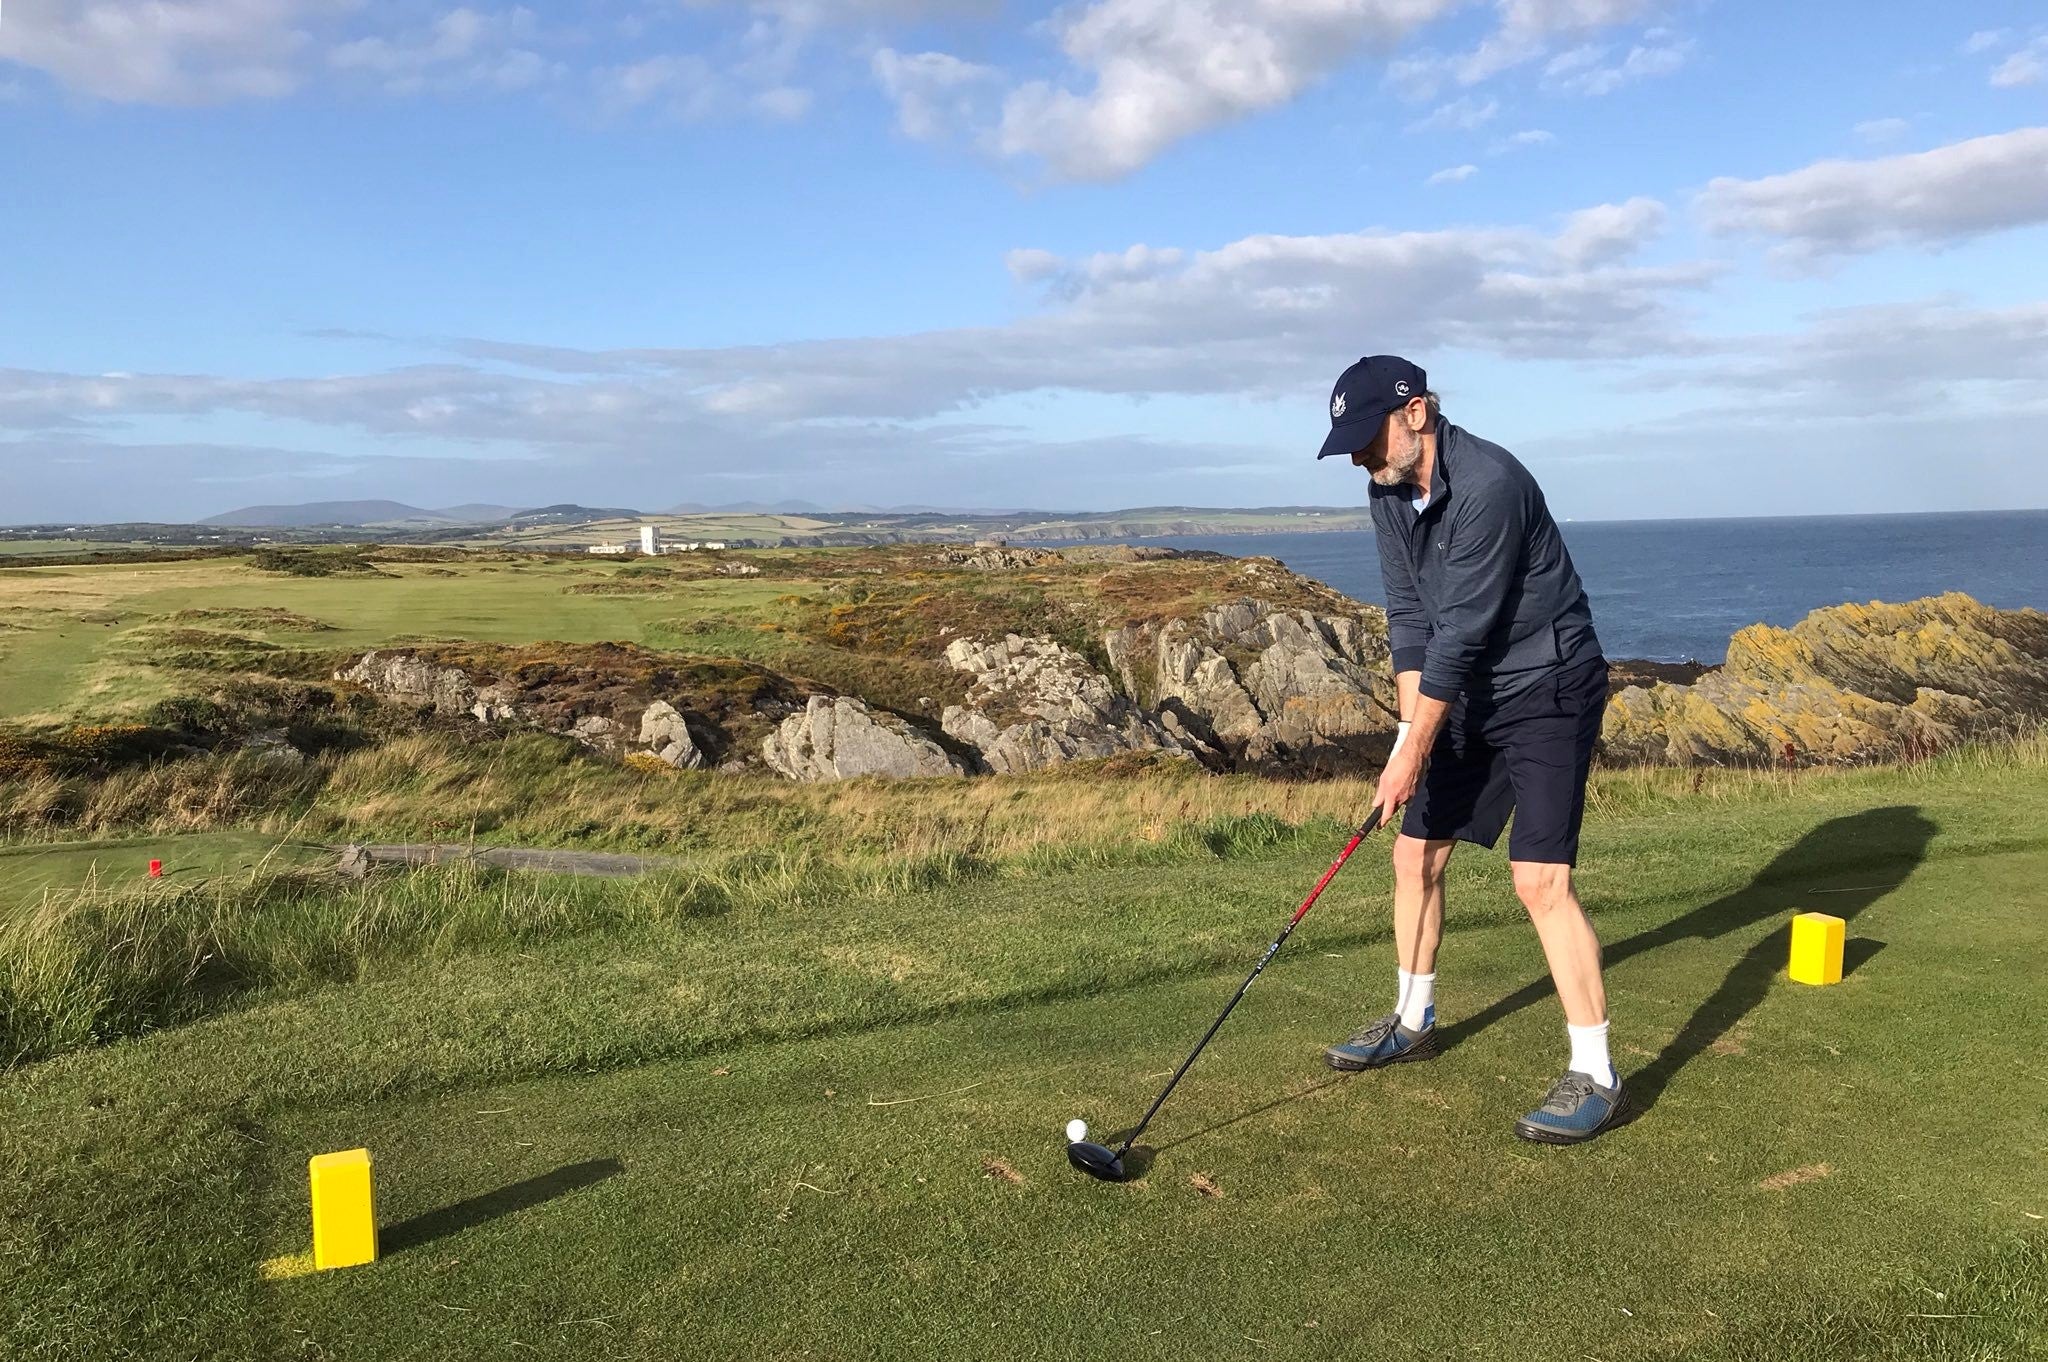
1077 1129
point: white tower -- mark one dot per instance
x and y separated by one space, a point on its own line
650 540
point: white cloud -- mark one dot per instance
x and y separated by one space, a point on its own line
2027 66
463 48
1157 71
1527 137
1460 115
1586 70
1929 198
936 95
1882 129
167 51
683 83
1263 316
1524 30
1983 40
1453 174
1610 231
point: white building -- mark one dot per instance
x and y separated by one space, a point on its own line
610 550
650 540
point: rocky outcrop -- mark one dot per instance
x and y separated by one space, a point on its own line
663 732
273 745
1034 704
836 737
1265 685
996 558
1848 683
607 713
416 681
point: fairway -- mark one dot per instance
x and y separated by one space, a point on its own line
71 647
26 871
777 1133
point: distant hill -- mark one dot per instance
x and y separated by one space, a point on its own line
753 508
478 513
568 513
311 513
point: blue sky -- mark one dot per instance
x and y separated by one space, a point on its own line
1685 258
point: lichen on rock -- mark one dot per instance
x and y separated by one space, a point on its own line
1848 683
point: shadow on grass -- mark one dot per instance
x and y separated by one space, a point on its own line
519 1196
1885 845
1246 1115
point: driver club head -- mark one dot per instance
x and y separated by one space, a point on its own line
1097 1161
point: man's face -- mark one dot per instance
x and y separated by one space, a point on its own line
1394 453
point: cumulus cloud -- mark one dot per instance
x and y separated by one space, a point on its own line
1929 198
2027 66
1152 72
168 51
463 48
1258 317
1453 174
1610 231
936 94
694 60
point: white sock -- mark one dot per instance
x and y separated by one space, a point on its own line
1416 1002
1589 1053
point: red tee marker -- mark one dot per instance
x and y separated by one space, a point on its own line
156 870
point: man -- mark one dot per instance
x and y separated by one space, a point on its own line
1502 687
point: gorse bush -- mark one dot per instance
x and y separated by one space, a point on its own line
316 562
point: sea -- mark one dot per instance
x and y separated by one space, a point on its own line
1674 590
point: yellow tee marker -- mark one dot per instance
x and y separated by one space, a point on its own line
344 1213
1817 949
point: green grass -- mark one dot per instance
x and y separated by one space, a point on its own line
33 548
27 872
80 642
608 1128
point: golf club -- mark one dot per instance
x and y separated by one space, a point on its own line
1099 1161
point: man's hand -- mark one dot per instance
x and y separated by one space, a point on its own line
1398 781
1410 757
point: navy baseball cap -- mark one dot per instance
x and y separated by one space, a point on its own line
1364 394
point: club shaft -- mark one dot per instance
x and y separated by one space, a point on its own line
1371 822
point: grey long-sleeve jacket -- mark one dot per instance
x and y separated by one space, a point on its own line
1482 596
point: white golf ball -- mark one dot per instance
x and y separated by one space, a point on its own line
1077 1129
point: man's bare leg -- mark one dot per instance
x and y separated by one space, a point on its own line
1418 927
1569 942
1419 901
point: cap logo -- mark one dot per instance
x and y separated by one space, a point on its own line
1401 388
1337 406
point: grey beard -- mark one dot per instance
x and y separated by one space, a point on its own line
1398 472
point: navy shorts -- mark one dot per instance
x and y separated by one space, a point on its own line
1527 757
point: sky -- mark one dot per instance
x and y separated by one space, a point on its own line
1683 257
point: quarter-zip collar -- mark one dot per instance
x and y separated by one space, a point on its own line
1439 474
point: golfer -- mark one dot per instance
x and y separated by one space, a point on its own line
1502 687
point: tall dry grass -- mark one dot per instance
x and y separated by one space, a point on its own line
527 790
532 790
